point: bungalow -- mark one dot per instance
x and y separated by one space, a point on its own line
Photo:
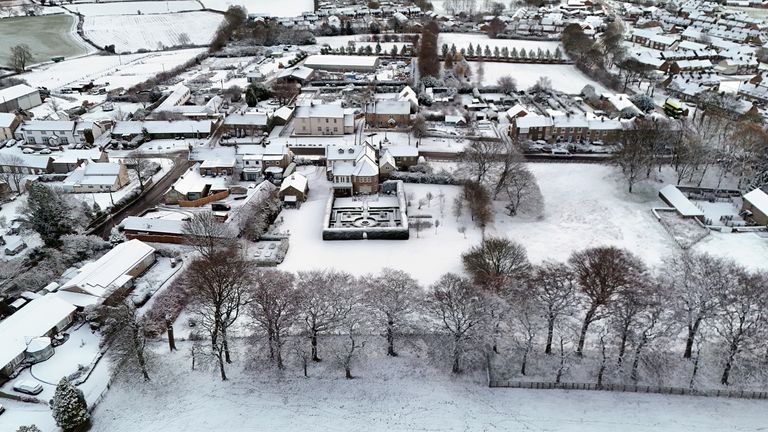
153 230
193 186
111 276
342 63
755 207
294 189
43 316
298 74
404 156
70 159
218 167
162 129
388 113
97 177
8 124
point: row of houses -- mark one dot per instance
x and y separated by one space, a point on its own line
565 128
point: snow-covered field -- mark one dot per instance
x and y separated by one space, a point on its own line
152 32
47 36
565 78
390 394
584 206
285 8
119 71
135 7
462 40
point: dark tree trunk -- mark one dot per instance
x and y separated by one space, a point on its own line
692 330
391 338
550 333
622 344
225 345
584 327
313 341
456 355
695 370
734 347
601 372
278 351
636 359
171 339
221 367
347 373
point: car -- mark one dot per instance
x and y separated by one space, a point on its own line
28 387
220 207
11 142
107 107
28 150
45 151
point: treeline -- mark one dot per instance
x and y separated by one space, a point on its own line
499 53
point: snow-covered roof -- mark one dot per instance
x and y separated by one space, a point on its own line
250 119
365 167
35 319
192 181
390 107
679 201
228 162
759 200
296 180
534 120
98 278
48 125
165 226
340 61
403 151
319 111
7 119
102 169
16 92
162 126
299 72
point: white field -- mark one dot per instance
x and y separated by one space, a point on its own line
133 7
462 40
584 206
284 8
565 78
119 71
151 32
388 394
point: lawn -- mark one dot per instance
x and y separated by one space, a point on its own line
47 36
585 205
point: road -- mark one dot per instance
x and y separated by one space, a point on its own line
150 198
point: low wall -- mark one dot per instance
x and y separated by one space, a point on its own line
370 233
204 201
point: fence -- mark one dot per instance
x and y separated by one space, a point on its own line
742 394
204 201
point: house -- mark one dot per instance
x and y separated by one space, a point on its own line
162 129
8 124
299 75
407 94
255 159
153 230
352 170
294 189
56 133
218 167
13 247
95 177
210 110
321 120
455 120
282 115
19 97
247 124
342 63
404 156
388 114
70 159
755 207
531 127
193 186
43 316
26 164
673 197
743 65
652 38
387 164
517 111
111 276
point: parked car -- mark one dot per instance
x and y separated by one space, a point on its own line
45 151
107 107
11 142
28 150
220 207
28 387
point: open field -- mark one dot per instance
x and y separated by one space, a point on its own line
47 36
285 8
565 78
390 394
134 7
584 206
152 32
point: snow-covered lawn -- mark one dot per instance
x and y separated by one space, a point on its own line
462 40
285 8
119 71
584 205
152 32
389 394
565 78
135 7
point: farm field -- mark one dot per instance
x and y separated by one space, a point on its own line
151 32
47 36
134 7
565 78
284 8
584 206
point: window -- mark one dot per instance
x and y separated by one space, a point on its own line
319 128
43 132
326 119
335 129
64 140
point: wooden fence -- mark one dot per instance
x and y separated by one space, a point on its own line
741 394
204 201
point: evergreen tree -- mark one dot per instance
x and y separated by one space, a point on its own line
403 51
505 52
471 51
523 54
514 53
540 54
378 48
68 406
48 214
496 52
558 53
444 50
487 51
393 53
453 49
548 54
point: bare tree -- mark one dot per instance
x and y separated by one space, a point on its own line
653 322
326 300
496 262
274 308
348 353
601 272
461 310
419 126
507 84
553 286
123 330
206 235
638 142
138 162
392 295
696 281
218 287
12 177
526 327
478 159
21 55
742 317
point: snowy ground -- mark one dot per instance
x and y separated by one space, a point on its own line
565 78
285 8
46 36
390 394
584 206
151 32
134 7
462 40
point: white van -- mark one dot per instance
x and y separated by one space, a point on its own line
28 387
